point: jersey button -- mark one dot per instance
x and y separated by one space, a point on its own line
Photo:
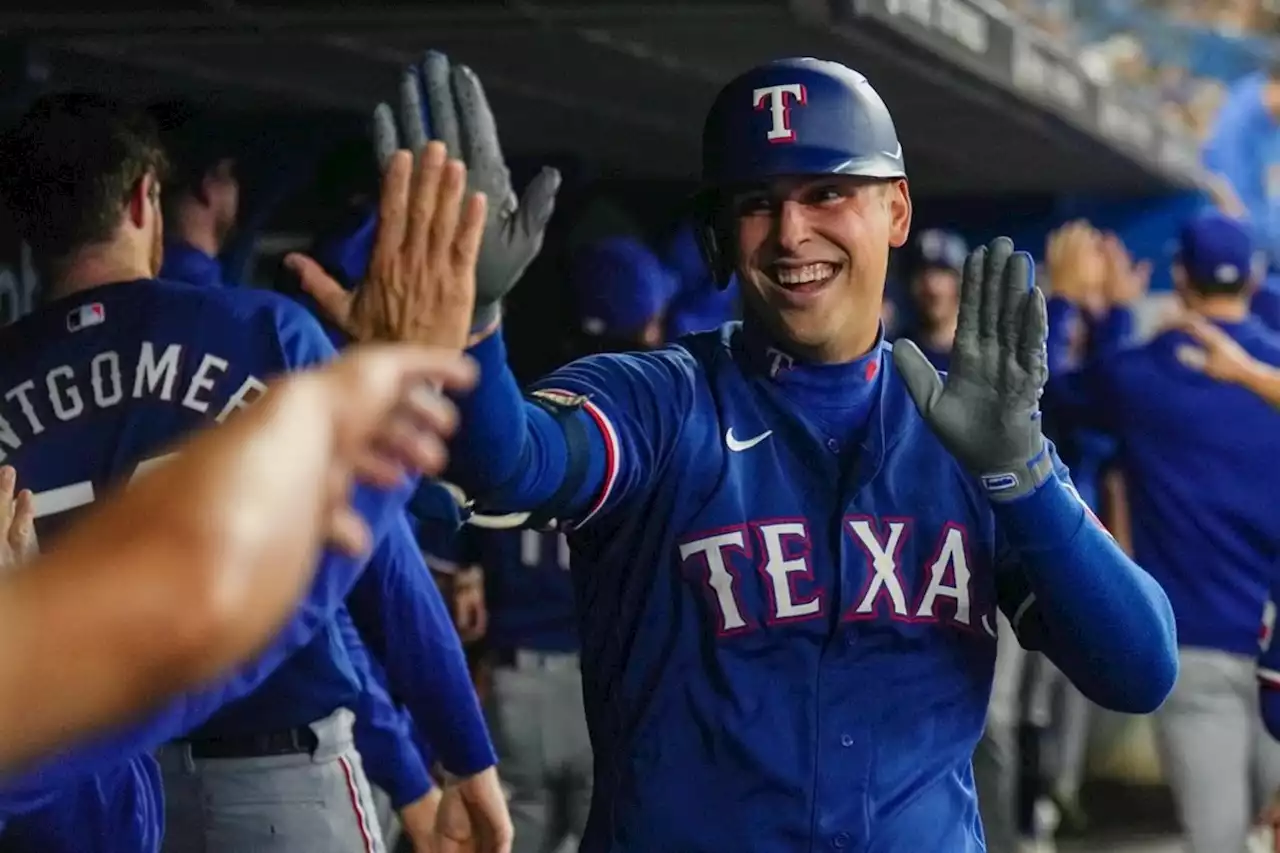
840 841
833 445
846 740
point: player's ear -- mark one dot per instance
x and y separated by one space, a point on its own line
899 200
144 200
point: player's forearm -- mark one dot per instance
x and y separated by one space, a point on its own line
1100 617
384 736
1263 380
405 623
170 583
508 454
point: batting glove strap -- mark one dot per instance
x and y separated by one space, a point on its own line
1018 481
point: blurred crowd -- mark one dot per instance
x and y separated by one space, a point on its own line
1187 52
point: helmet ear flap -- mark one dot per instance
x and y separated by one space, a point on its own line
713 240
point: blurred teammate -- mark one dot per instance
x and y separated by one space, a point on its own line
117 366
81 623
200 199
932 264
1199 461
335 677
698 303
622 293
771 659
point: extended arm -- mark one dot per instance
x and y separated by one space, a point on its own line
1074 594
384 732
243 510
404 621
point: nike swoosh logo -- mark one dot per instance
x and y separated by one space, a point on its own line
738 446
896 154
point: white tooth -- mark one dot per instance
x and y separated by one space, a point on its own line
805 274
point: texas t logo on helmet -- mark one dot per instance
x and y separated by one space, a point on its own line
842 127
778 100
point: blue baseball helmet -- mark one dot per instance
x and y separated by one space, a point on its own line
799 116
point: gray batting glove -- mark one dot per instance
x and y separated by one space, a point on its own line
446 102
987 413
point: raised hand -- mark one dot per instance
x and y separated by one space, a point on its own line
447 103
987 412
421 283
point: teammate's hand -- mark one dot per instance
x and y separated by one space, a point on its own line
421 283
987 414
1076 264
1126 282
418 821
473 816
470 615
387 421
447 103
1218 355
17 522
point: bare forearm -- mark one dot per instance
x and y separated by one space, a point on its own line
187 572
1263 380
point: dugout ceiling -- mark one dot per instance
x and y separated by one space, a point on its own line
981 106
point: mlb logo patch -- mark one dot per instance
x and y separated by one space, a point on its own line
85 316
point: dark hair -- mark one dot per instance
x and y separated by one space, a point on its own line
194 144
70 164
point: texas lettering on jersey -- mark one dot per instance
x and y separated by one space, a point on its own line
779 551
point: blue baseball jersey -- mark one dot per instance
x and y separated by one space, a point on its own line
183 262
402 617
1199 469
337 671
100 384
787 617
119 810
527 588
1086 452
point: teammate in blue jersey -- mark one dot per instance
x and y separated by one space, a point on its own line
1198 465
621 293
788 540
141 362
201 196
1214 351
205 780
933 262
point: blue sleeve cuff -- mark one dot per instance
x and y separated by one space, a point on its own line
1045 520
410 781
1112 331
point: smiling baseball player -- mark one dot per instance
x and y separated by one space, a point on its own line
789 539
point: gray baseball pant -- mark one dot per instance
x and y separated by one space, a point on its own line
318 803
539 729
1216 755
995 760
